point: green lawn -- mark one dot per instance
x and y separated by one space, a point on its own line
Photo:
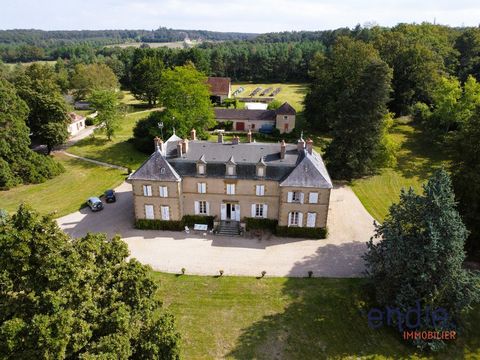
67 192
291 93
417 157
286 318
117 151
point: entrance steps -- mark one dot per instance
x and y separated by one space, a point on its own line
229 228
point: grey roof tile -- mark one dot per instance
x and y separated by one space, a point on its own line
310 172
156 167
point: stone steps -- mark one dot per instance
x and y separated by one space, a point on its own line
230 228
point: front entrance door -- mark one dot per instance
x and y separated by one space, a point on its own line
230 211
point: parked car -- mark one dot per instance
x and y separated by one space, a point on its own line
95 203
110 196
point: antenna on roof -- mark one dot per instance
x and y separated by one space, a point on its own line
174 130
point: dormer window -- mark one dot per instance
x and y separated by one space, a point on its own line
201 166
261 168
231 167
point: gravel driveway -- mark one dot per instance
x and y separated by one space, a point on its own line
349 225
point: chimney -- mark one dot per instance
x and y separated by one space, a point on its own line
180 148
220 137
156 143
249 136
300 144
193 135
310 146
235 140
283 149
185 146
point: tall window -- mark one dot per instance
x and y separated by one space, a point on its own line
313 198
230 189
149 214
258 210
163 191
202 188
147 190
260 190
294 218
165 211
202 207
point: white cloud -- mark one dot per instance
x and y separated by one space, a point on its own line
240 15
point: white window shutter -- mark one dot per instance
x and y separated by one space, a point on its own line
302 195
289 218
311 219
263 190
165 191
290 197
160 189
253 210
223 212
313 198
197 207
300 219
265 210
208 208
257 190
237 212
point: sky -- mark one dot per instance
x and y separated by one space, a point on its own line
255 16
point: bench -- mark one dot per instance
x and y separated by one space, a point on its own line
200 227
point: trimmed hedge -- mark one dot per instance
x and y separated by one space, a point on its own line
190 220
301 232
174 225
256 223
147 224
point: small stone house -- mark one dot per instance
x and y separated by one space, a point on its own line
233 180
244 120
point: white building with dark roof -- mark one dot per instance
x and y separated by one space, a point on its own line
233 181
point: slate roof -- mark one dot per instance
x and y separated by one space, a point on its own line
156 167
243 153
244 114
310 172
219 85
286 109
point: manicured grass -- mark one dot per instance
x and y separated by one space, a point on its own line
286 318
118 151
291 93
67 192
417 158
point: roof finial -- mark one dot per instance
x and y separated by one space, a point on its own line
174 131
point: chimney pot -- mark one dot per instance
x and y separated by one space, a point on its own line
283 148
185 146
156 141
180 148
310 146
193 135
300 144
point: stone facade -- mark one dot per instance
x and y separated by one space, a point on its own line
288 182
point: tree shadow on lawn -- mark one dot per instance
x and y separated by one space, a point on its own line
121 153
327 319
418 155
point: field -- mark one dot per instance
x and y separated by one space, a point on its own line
291 93
282 318
118 151
416 159
170 45
67 192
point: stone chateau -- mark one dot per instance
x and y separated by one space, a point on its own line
233 180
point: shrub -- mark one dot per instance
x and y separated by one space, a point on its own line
310 273
183 271
7 177
256 223
302 232
221 272
190 220
264 273
147 224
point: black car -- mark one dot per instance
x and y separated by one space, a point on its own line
95 204
110 196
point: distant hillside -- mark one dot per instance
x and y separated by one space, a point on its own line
44 38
